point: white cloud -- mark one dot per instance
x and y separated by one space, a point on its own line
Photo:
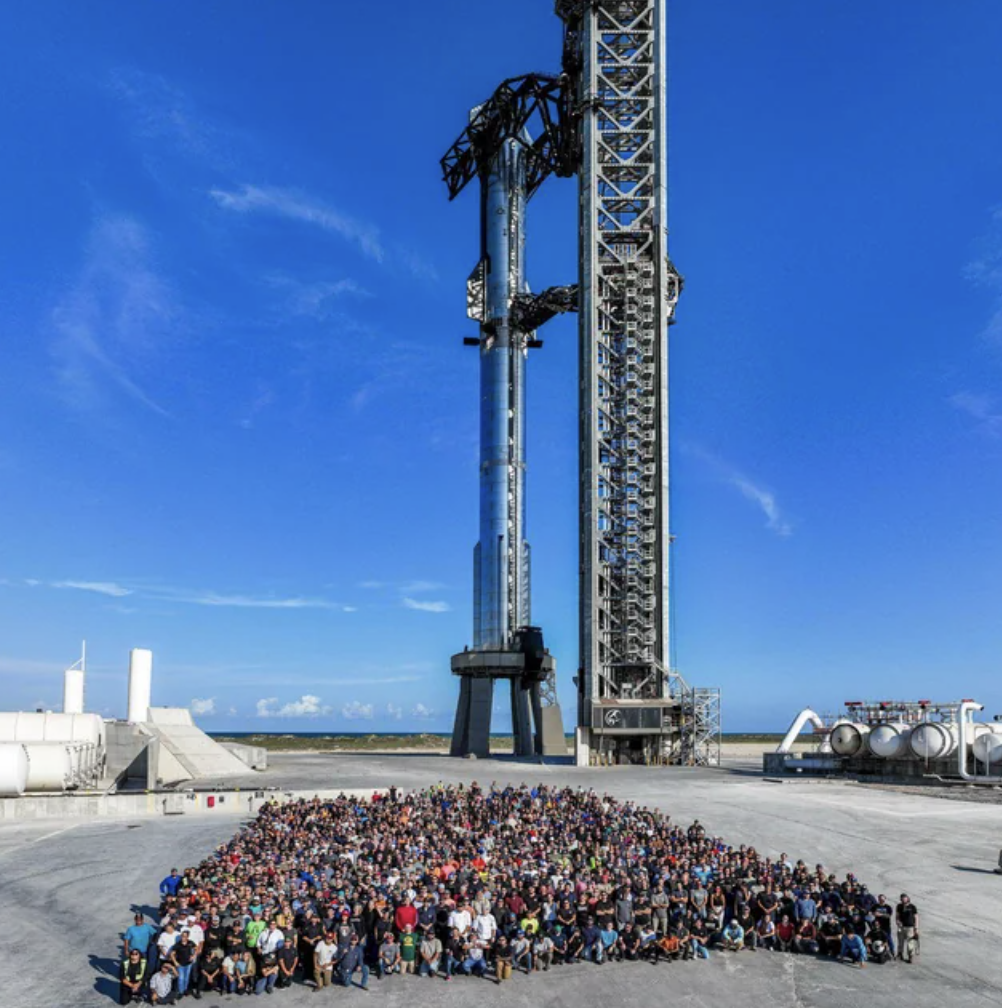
205 707
435 607
232 712
766 500
100 587
419 587
111 325
315 300
421 712
759 495
394 711
254 602
303 208
307 705
356 711
982 408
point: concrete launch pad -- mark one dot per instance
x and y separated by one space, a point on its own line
67 890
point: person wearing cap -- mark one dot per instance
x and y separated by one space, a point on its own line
430 951
521 952
388 958
288 960
162 985
324 954
352 960
133 973
267 975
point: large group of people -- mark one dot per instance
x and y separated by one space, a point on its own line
479 881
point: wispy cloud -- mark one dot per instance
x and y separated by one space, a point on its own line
986 270
114 319
394 712
100 587
315 299
762 497
421 712
419 587
421 605
202 598
306 706
982 408
203 708
303 208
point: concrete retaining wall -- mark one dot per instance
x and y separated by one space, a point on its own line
126 806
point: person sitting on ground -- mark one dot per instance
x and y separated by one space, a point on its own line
210 972
162 985
878 948
246 973
542 952
133 973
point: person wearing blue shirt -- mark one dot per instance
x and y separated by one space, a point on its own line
171 884
139 938
853 948
805 908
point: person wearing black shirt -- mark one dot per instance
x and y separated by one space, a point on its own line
308 938
906 914
288 959
133 973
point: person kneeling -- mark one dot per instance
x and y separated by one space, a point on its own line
162 986
853 948
133 972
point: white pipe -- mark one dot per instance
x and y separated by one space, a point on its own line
966 708
798 725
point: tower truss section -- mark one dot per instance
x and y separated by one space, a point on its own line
632 706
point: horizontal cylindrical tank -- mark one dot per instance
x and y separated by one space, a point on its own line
140 684
933 740
848 738
27 726
889 741
73 691
50 767
13 769
988 744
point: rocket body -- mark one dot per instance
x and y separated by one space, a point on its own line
501 558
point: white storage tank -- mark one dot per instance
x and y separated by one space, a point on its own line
27 726
933 740
889 741
73 691
13 769
848 738
140 684
988 743
50 767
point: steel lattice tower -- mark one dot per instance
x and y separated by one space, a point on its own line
629 696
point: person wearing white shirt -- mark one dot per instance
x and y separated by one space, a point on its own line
323 961
168 938
485 927
271 941
461 919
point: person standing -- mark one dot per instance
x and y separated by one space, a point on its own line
408 950
906 915
323 961
182 958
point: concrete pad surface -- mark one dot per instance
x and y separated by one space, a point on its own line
67 891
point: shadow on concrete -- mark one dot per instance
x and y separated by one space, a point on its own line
107 982
976 871
146 910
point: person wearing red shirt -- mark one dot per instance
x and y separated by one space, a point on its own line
406 914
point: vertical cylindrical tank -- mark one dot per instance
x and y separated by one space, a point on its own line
848 738
988 744
73 691
13 770
140 684
888 741
50 767
933 740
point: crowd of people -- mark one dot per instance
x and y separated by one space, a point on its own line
463 880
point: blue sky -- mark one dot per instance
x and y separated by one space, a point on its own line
238 426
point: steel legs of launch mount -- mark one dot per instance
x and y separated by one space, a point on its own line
538 729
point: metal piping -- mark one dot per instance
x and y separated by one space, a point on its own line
798 726
966 708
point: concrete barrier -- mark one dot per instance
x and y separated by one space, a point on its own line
124 806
